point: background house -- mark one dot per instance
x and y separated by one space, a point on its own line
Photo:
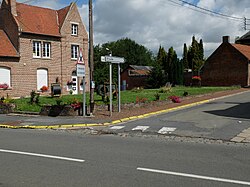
227 66
40 46
134 76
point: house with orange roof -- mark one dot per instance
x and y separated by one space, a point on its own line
40 47
228 65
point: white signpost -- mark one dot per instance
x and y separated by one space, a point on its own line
80 72
114 60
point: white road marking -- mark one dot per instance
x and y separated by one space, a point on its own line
41 155
116 127
166 130
195 176
141 128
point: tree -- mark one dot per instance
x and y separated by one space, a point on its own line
156 77
134 54
195 55
162 57
185 57
171 64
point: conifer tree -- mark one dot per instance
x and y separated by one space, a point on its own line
185 57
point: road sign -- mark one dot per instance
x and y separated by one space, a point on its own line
80 70
112 59
80 58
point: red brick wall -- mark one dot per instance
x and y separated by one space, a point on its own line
24 70
68 65
225 67
133 81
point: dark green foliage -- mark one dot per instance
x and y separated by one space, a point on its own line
34 97
185 57
195 55
134 54
156 77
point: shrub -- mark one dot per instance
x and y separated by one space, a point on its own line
138 89
140 99
166 89
34 97
175 99
198 78
157 96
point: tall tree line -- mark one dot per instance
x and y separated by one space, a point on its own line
169 68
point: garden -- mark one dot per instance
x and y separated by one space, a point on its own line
71 104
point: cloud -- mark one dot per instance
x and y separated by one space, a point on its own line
163 22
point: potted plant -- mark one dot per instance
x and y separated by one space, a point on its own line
4 86
44 88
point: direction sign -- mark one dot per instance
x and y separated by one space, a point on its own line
112 59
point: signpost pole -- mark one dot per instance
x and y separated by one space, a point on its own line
119 88
84 98
110 88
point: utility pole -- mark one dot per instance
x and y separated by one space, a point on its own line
91 58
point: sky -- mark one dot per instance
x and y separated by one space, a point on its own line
166 23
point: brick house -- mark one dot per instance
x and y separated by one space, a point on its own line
228 65
134 76
40 46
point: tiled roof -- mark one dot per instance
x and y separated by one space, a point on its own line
38 20
135 67
62 15
6 47
244 49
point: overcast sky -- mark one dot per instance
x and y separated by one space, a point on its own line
161 22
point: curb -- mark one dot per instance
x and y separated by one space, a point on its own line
116 122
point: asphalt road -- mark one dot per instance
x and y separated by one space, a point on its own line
220 119
62 158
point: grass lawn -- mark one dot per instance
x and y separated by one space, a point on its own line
130 96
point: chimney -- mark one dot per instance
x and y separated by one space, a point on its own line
12 4
225 39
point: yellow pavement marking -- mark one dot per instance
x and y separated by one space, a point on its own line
115 122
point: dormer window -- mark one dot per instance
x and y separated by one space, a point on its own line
74 29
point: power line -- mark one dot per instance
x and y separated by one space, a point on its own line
202 10
211 11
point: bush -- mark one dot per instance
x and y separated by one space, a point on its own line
157 96
34 97
175 99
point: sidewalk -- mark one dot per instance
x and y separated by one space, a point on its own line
102 117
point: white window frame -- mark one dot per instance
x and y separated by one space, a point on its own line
46 49
5 76
36 49
74 51
74 29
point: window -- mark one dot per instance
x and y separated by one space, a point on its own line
74 29
42 78
74 51
36 49
46 49
5 76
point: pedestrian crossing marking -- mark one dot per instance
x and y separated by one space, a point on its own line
140 128
166 130
116 127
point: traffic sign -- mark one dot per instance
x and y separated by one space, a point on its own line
112 59
80 70
80 58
